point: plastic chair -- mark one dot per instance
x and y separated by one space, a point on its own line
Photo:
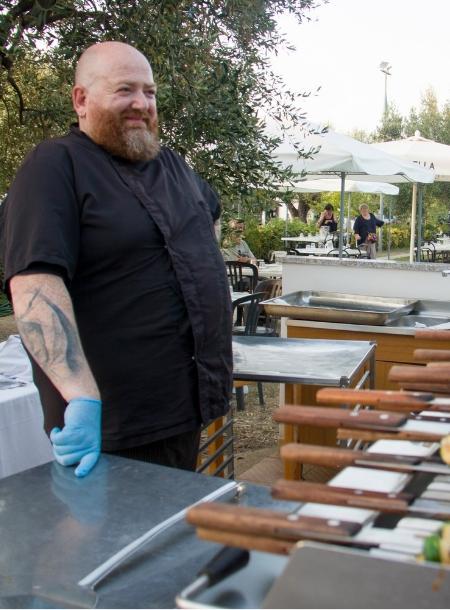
239 280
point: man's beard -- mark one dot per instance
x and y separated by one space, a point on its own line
135 144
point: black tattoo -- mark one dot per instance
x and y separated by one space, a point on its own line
60 346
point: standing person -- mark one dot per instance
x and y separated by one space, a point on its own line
365 230
327 219
235 248
118 285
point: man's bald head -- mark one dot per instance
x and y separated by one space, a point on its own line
114 97
95 62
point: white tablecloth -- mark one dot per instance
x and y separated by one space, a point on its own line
23 442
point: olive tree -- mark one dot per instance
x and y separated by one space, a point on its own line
216 90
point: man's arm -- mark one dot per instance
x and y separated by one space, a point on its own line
46 323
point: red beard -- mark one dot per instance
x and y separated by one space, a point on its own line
133 143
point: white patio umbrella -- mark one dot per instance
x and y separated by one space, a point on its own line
426 153
333 185
336 154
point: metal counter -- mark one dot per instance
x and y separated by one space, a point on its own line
55 529
304 361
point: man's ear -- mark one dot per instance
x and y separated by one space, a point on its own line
79 100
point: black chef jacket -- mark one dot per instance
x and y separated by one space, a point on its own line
135 244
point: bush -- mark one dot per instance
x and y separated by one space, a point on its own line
263 239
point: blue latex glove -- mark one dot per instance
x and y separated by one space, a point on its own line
80 439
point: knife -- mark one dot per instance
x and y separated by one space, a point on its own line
389 423
265 522
439 375
383 399
434 335
277 532
432 355
392 502
334 457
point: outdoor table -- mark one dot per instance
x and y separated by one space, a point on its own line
271 270
305 365
305 239
308 251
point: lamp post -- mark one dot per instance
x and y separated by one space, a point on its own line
385 67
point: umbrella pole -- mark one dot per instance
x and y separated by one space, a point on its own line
419 220
413 223
347 232
341 215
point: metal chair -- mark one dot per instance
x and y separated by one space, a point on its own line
271 288
239 280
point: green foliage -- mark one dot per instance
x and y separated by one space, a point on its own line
210 60
399 236
263 239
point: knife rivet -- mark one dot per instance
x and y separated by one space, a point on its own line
384 416
358 492
333 522
392 495
293 517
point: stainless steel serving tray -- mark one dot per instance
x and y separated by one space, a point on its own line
339 307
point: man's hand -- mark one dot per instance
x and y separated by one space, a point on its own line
357 237
80 439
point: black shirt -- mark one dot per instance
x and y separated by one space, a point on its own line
364 226
136 246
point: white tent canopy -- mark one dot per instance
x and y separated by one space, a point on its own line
426 153
335 153
333 185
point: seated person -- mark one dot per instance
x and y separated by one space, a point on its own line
365 230
327 219
235 248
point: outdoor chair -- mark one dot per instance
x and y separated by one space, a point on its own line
271 288
238 279
427 255
251 315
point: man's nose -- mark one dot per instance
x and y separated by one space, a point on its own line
142 102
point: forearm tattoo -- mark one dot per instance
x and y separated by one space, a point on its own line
50 336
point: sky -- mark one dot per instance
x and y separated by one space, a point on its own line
341 49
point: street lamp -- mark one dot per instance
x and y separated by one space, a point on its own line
385 67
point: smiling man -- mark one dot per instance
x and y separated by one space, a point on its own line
118 284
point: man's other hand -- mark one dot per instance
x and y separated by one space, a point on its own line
79 442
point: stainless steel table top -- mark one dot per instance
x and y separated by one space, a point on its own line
309 361
55 529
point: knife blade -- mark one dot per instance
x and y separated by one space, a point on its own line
393 502
335 457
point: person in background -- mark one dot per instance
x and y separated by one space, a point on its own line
365 230
327 219
234 247
118 284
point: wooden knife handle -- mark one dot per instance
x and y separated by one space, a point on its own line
342 496
344 434
329 417
243 541
442 389
333 456
417 374
434 335
319 455
431 355
375 398
263 522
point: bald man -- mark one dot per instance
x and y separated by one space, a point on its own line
118 285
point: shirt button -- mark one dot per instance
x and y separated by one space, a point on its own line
193 357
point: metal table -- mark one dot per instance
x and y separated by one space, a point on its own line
305 361
308 364
55 529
